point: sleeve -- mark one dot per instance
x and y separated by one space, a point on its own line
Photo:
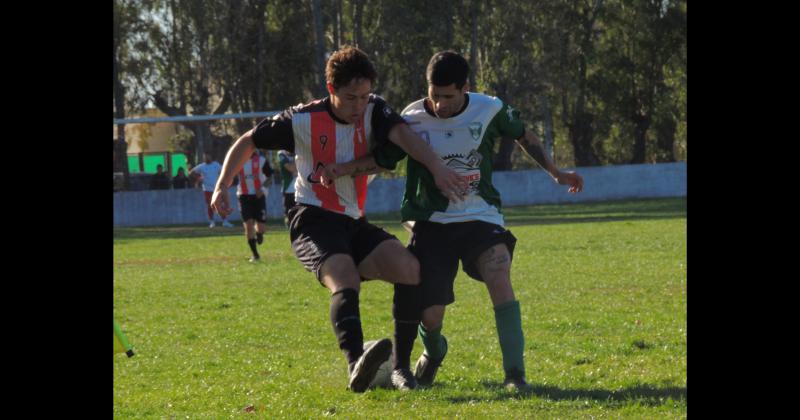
508 122
266 169
388 154
275 132
383 119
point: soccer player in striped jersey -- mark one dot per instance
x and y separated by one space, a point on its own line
461 127
252 194
329 233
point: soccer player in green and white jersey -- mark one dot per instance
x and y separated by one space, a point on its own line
288 176
461 127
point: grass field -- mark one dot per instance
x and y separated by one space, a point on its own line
602 288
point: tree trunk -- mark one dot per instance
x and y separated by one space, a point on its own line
319 47
358 13
121 147
201 129
260 101
449 15
581 134
548 126
581 130
665 139
640 125
473 46
337 24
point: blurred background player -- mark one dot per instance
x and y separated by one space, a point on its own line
209 172
252 193
288 176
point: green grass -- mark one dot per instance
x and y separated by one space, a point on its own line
602 288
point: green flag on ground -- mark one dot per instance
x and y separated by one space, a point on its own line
121 344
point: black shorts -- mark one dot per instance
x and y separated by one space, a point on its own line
316 234
439 246
253 207
288 203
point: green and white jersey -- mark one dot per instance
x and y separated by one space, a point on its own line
466 143
288 178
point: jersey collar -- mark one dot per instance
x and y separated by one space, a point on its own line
327 102
433 114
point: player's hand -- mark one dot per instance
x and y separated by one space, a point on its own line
220 201
450 183
572 179
329 174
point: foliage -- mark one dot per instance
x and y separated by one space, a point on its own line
610 75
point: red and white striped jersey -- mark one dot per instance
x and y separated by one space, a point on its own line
318 138
251 177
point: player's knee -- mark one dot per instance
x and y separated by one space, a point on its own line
432 317
412 271
500 289
338 271
498 280
407 269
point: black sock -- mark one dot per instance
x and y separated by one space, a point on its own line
406 312
259 237
252 243
346 321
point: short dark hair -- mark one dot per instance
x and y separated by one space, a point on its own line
446 68
347 64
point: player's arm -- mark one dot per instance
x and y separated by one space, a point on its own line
291 167
452 185
235 159
273 133
533 147
364 165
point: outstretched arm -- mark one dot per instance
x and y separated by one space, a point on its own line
364 165
533 147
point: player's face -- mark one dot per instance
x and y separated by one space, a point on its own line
446 100
350 101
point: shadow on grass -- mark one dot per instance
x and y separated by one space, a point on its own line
605 211
641 394
590 212
615 211
190 231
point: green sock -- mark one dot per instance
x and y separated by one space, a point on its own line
433 341
509 331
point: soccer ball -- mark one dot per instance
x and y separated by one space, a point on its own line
383 377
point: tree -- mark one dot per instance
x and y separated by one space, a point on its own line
600 82
122 26
645 42
319 47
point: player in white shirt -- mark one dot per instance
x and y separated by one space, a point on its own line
209 172
462 128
